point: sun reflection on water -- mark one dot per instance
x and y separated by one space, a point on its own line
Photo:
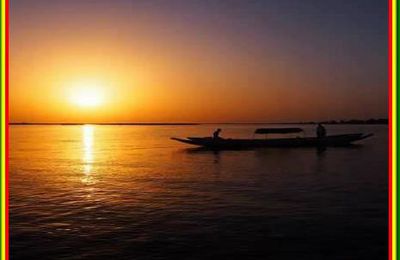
87 157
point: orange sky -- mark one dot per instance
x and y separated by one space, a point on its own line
194 62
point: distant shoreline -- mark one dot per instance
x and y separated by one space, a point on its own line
330 122
381 121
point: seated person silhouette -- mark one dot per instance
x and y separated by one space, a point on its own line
321 131
216 134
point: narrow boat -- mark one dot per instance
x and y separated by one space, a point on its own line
222 143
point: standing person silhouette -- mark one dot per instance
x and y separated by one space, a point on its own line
321 131
216 134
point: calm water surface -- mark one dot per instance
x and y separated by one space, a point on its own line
128 192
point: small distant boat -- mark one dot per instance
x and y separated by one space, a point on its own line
222 143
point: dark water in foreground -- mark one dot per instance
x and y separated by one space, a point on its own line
128 192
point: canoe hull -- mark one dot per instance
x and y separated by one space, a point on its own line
333 140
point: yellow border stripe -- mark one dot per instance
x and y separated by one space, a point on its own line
3 128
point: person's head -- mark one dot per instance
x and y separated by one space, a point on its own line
219 129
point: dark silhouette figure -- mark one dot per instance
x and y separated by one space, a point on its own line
216 133
321 131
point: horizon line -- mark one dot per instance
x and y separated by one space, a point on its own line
350 121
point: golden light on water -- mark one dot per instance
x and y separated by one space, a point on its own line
87 157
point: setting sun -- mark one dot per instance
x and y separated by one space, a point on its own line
87 95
